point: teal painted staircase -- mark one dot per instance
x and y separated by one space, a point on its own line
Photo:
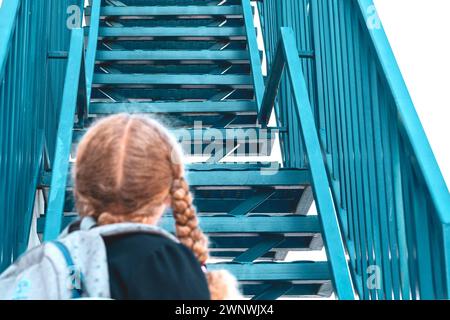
334 103
195 65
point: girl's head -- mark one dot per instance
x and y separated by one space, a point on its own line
129 169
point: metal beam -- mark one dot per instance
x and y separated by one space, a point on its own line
173 79
288 271
286 178
175 107
237 225
247 206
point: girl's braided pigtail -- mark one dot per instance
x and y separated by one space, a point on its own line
222 285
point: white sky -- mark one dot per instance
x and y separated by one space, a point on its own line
419 33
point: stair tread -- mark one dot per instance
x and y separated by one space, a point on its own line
173 79
220 199
105 55
294 178
207 135
172 32
287 271
240 225
205 142
174 107
229 236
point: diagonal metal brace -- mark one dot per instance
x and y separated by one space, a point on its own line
273 292
252 203
268 242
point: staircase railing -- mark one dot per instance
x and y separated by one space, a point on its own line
76 98
300 123
421 198
393 204
73 94
30 86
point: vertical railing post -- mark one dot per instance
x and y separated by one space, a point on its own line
92 47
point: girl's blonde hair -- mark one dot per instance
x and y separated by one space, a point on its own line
126 168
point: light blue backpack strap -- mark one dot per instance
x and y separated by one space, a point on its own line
76 292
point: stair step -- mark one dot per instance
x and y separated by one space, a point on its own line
171 11
139 55
233 179
173 79
289 271
182 3
202 142
172 32
229 237
172 44
219 201
265 224
282 178
238 225
188 120
224 200
172 93
175 107
174 67
173 22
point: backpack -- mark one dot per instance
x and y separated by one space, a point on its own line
72 267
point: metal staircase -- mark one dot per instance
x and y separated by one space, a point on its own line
195 65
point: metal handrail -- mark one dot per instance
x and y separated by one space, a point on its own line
74 76
76 98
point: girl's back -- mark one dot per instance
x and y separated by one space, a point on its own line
144 266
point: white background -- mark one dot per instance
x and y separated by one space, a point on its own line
419 33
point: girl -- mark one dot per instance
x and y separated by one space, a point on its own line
129 169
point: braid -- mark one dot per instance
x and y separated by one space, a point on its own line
222 285
186 222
